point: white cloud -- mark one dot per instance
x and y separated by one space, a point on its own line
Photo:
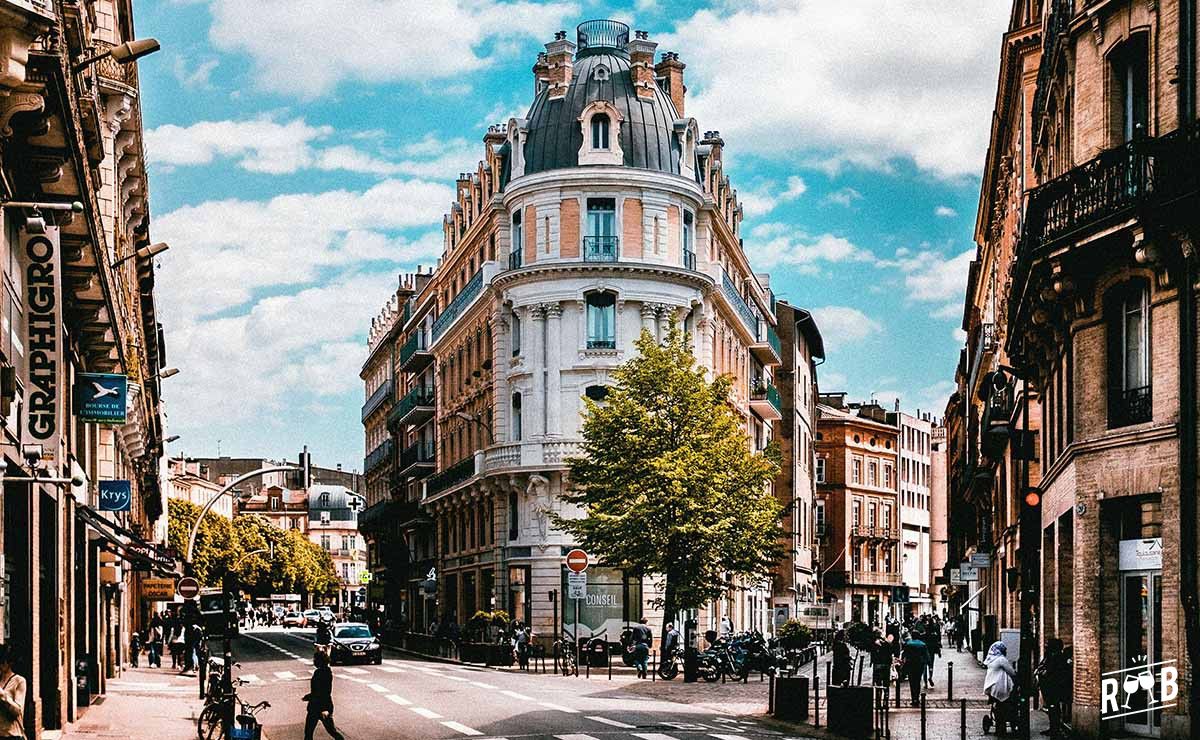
831 381
844 197
843 325
945 212
930 399
307 48
764 198
779 244
193 75
931 276
877 81
951 310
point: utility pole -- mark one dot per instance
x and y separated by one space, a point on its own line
1028 549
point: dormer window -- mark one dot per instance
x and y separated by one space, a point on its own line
600 124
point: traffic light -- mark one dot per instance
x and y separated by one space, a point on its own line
305 469
1033 497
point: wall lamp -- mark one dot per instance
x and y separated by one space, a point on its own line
166 373
35 222
145 252
172 438
128 52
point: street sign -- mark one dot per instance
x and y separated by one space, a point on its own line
365 577
577 561
188 588
158 589
981 560
101 397
956 578
577 585
968 572
115 495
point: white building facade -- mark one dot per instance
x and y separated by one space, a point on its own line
915 479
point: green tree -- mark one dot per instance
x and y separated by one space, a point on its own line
217 545
669 486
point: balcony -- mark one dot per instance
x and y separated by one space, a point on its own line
415 355
381 454
457 473
415 408
1132 406
600 248
767 348
529 454
689 260
376 399
997 420
872 578
764 401
515 260
457 306
740 307
417 460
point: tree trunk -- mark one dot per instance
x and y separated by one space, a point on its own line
669 608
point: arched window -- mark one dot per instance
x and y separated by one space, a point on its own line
601 320
600 123
1127 314
516 417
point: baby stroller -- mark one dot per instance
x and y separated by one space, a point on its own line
1002 715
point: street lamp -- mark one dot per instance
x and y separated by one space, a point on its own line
145 252
125 53
35 223
172 438
166 373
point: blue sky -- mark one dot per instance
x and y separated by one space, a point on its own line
302 154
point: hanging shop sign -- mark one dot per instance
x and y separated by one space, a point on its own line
1141 554
116 495
968 572
43 341
101 397
152 553
981 559
158 589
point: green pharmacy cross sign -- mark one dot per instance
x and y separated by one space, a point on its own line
101 397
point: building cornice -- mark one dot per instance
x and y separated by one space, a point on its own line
541 270
605 176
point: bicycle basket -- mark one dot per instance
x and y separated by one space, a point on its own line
246 728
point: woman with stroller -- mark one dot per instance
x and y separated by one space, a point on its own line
998 686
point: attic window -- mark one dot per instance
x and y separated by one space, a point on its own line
600 73
600 125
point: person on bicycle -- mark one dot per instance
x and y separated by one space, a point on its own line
643 638
320 699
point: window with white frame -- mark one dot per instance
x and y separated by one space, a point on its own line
820 470
601 320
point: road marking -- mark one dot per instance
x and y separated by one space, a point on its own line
653 736
515 695
728 737
575 737
355 671
462 728
389 669
456 678
284 674
426 713
612 723
377 687
250 678
483 685
398 700
558 707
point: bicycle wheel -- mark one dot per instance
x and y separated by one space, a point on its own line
208 726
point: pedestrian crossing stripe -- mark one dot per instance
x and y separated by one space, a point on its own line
515 695
355 671
251 678
576 737
284 674
389 669
457 727
426 713
482 685
612 723
558 707
398 700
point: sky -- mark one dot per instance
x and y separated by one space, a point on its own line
302 154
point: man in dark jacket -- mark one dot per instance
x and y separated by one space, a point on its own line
643 638
915 654
320 699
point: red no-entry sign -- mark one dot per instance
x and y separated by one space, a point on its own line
577 561
188 588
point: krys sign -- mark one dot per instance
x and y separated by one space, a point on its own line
43 346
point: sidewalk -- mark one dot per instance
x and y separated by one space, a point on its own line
144 704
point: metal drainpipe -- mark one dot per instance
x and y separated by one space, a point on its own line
1187 389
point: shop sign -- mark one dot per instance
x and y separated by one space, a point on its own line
968 572
1141 554
981 559
816 611
158 589
116 495
101 397
43 340
364 577
956 578
150 552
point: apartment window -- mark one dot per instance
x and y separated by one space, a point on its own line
856 515
887 476
887 560
516 335
819 517
600 242
856 470
886 522
872 473
516 417
689 249
600 123
871 516
874 563
1129 397
325 543
274 503
1131 104
601 320
820 470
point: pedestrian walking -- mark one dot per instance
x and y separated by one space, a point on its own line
154 643
175 644
12 698
135 648
726 627
643 638
933 642
841 659
521 644
320 699
998 684
881 660
913 666
1053 676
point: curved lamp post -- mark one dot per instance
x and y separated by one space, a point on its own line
226 490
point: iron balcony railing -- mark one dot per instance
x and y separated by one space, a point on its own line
602 34
601 343
689 260
451 476
1130 406
515 260
469 293
420 453
768 334
416 343
729 288
377 397
421 395
600 248
378 455
762 389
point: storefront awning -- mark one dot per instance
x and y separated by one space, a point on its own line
127 545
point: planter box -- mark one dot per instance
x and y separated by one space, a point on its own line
791 698
850 711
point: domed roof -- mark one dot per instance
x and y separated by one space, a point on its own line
647 136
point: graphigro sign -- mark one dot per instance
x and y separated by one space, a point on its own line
1142 687
42 308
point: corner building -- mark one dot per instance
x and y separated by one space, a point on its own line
602 213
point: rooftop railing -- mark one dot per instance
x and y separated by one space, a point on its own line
602 34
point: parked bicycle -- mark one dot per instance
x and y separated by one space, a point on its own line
565 651
245 726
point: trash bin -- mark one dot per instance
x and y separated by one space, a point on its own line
597 654
791 698
850 710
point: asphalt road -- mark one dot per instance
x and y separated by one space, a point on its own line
410 698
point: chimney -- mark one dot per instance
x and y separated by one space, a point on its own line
641 64
714 142
339 467
670 71
541 74
559 55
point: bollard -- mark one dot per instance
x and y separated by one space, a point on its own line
814 665
828 673
962 721
771 695
610 662
897 693
816 702
950 680
653 666
922 715
588 670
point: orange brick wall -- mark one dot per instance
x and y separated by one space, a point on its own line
530 225
672 245
631 229
568 229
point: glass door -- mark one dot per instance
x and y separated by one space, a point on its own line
1141 645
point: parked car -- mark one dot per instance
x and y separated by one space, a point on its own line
293 619
353 641
311 617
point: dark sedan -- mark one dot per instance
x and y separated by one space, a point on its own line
352 642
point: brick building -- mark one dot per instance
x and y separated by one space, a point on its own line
857 508
1075 442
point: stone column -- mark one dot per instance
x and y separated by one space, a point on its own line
537 366
554 352
666 314
649 313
